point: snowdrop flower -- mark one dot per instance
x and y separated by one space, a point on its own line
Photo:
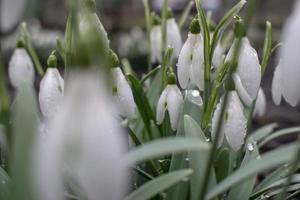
261 104
85 145
247 77
173 35
286 80
171 99
20 67
156 40
234 122
121 89
11 12
218 56
191 60
51 89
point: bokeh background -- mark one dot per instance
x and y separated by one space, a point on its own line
124 21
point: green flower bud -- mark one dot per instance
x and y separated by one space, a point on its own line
52 61
239 28
171 78
169 13
113 59
20 43
155 19
195 26
90 5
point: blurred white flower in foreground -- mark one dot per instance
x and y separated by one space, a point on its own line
261 104
234 122
51 92
190 62
171 99
11 12
286 81
84 146
122 93
20 68
218 55
173 36
156 40
247 77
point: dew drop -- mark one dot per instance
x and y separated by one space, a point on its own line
250 147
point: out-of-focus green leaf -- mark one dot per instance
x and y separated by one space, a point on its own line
244 189
263 132
222 164
4 184
269 160
25 124
185 14
279 133
158 185
197 160
164 147
179 161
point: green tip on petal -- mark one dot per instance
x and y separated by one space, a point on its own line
169 13
52 61
20 43
195 26
90 5
113 59
239 28
155 19
171 78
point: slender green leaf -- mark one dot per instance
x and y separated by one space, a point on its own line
267 47
158 185
244 189
164 147
25 124
279 133
222 164
263 132
269 160
150 74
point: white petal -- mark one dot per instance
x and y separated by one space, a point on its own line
197 70
78 143
241 90
217 57
156 44
174 105
185 60
124 94
51 92
215 122
20 68
235 122
290 58
261 104
277 87
174 37
161 106
249 69
11 12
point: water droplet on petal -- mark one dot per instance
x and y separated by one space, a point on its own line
250 147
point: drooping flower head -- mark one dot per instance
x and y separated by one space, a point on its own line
20 67
51 89
122 92
234 125
84 145
286 80
156 39
173 34
171 100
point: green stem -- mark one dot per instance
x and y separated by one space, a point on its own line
4 104
164 25
165 64
148 27
150 74
69 38
185 14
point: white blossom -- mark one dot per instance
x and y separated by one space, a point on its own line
156 44
247 78
174 36
191 62
218 56
20 68
84 145
261 104
171 99
123 94
234 122
51 92
286 80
